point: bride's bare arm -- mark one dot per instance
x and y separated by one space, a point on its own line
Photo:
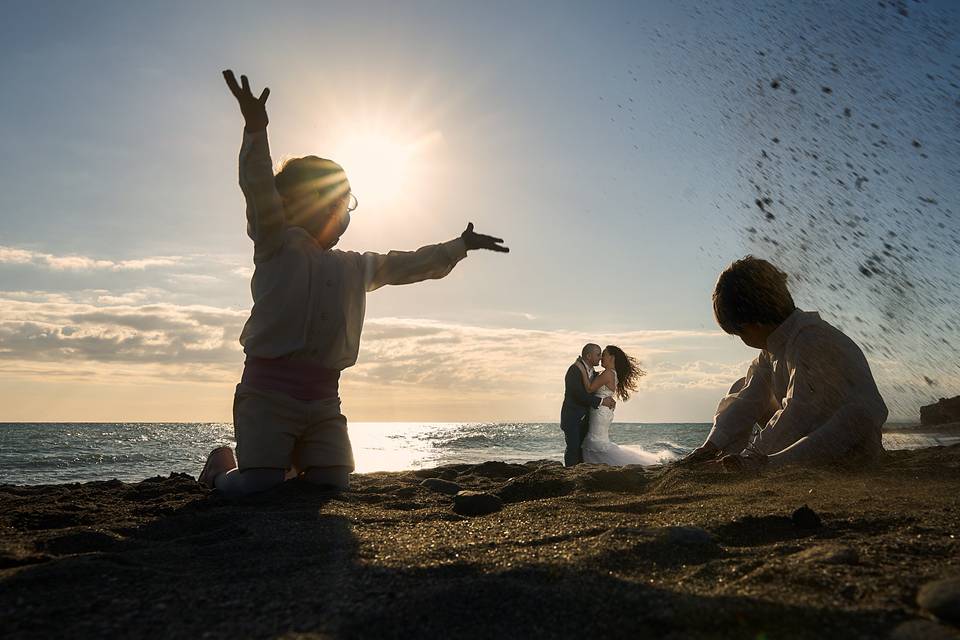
605 378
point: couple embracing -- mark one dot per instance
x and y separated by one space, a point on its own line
589 401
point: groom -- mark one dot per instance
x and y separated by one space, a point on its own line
577 403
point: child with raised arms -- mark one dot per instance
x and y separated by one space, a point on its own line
307 316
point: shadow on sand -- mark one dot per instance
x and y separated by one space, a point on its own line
162 558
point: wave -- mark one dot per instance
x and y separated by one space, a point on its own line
468 442
672 448
71 452
654 456
79 460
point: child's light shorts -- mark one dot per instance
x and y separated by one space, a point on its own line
276 431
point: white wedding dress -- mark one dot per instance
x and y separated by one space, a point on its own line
597 448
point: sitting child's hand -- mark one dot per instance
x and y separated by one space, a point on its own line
744 463
732 463
707 453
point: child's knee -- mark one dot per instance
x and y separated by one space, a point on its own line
336 477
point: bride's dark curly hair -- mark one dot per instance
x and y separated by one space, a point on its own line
628 371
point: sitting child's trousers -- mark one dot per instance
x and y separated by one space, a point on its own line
850 434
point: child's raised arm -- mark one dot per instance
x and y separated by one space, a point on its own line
265 216
254 110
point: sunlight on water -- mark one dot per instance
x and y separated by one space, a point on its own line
54 453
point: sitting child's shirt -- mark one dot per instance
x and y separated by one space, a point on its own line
810 377
309 302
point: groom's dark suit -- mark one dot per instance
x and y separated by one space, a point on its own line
574 414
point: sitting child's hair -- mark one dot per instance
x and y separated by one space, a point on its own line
308 185
751 291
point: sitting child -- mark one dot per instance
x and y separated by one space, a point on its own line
810 388
308 307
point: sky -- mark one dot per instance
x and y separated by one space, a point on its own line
585 135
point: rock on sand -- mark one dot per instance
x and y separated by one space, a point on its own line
942 599
476 503
441 486
923 630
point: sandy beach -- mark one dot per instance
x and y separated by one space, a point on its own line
591 551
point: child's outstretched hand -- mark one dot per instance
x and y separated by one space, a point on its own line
475 240
254 109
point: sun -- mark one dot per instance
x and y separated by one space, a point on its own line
377 166
382 166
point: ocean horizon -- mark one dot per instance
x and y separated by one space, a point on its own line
64 452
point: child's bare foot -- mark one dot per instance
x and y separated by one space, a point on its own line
743 463
219 461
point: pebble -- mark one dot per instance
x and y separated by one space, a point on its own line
441 486
476 503
923 630
942 599
806 518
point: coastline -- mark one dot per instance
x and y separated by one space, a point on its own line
32 454
947 429
619 552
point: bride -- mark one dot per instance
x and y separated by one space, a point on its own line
619 378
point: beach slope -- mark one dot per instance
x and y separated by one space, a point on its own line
591 551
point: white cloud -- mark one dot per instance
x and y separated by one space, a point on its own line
14 255
129 298
11 255
193 279
511 360
53 331
243 272
49 329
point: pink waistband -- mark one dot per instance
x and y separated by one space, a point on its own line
300 379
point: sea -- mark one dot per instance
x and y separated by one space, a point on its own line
51 453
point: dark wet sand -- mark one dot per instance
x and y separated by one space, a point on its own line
587 552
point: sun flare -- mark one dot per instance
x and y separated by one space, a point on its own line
382 167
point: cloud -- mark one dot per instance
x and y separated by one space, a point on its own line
193 279
58 333
509 360
244 272
17 256
10 255
408 369
407 366
128 298
215 279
